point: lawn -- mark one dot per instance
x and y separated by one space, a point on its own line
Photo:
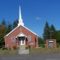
44 50
32 51
8 52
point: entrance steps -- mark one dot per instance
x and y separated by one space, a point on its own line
23 50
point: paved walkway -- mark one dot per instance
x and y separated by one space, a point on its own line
32 57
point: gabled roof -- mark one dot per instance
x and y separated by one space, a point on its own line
19 26
21 23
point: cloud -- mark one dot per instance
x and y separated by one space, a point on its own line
38 18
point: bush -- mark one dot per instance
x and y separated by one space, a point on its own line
42 45
14 47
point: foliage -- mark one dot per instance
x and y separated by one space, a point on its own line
2 33
46 34
41 42
49 32
9 28
15 23
58 37
53 32
4 29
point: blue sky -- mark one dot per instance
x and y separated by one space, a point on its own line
34 12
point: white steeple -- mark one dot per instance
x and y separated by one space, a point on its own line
20 18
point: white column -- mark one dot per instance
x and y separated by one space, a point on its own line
22 42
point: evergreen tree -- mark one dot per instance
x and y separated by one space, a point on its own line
2 33
53 28
15 23
46 34
41 42
3 22
53 32
57 35
9 28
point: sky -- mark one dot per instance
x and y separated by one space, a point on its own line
35 13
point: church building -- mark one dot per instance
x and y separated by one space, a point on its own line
21 35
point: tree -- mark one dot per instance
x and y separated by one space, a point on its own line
3 22
2 33
58 36
53 28
41 42
53 32
9 28
46 34
15 23
4 29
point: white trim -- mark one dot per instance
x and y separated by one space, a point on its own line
19 26
30 30
19 35
22 43
12 31
51 41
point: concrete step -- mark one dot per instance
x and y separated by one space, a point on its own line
22 47
26 51
23 50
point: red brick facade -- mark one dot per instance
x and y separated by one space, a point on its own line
11 41
52 43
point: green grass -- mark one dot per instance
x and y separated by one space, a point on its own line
8 52
45 50
32 51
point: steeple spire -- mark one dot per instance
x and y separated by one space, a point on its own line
20 18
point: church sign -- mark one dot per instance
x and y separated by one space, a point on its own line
51 43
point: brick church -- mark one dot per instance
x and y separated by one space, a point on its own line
21 35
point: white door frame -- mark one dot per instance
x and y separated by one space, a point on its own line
22 42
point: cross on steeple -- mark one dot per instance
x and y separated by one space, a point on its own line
20 18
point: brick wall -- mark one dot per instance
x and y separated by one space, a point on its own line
47 43
10 40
